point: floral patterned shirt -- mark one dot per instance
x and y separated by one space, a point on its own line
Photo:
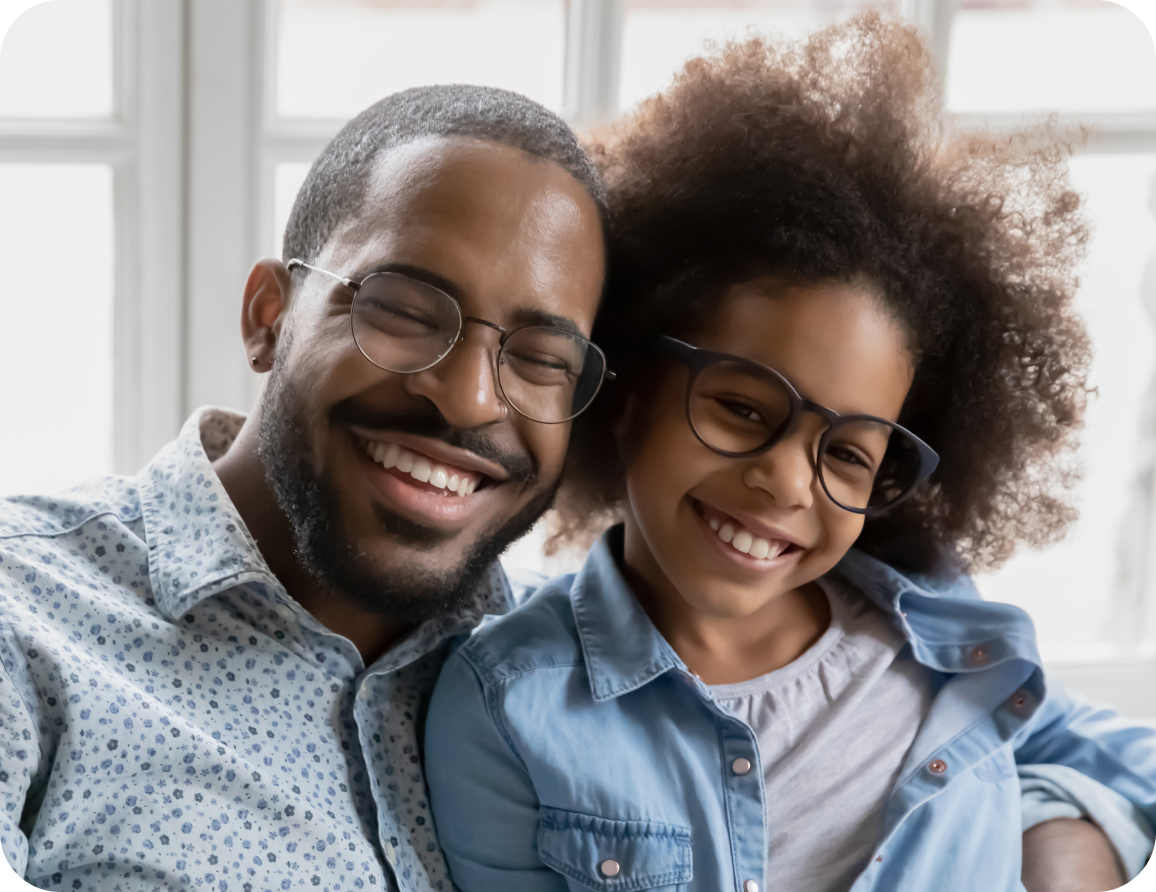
170 718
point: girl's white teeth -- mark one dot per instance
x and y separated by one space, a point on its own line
746 542
419 468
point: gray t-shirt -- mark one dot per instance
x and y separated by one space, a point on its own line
833 729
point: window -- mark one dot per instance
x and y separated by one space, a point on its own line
87 177
163 159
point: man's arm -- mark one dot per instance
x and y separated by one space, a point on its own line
1070 855
1095 773
19 763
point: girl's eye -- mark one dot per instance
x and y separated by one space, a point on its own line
847 455
743 410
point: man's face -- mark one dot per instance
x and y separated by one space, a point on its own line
515 241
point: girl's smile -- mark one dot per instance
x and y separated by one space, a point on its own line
722 549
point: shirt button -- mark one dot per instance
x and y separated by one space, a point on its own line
750 886
285 611
979 655
363 693
741 765
609 868
937 766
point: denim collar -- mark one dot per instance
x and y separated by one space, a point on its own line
950 628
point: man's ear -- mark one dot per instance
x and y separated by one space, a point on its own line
263 308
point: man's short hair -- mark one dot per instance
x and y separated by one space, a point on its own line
336 185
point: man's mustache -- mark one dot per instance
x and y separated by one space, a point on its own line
518 465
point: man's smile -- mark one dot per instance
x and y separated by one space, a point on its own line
425 478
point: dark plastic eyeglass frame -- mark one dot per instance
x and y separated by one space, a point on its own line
698 360
505 335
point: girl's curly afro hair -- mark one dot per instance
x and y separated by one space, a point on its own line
830 159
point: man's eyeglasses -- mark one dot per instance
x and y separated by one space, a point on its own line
402 325
739 408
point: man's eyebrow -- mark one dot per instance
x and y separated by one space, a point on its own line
519 318
420 273
524 316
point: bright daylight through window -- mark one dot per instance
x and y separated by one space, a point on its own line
73 151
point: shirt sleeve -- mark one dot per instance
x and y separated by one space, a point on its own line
483 801
19 756
1117 761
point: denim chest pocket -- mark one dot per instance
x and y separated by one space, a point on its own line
598 853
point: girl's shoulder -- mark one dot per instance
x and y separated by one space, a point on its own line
538 634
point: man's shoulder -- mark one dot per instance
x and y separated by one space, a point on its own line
540 634
85 545
43 515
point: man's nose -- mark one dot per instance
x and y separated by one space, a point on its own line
463 385
787 471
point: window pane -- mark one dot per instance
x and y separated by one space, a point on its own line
1074 56
287 179
659 36
56 324
56 62
1069 590
336 58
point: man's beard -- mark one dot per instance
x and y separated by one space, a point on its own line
310 503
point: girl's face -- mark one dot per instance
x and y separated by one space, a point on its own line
839 348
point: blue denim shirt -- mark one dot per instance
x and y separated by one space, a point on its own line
569 734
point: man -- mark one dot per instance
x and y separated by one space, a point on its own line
184 698
213 674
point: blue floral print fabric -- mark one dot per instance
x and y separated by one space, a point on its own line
170 718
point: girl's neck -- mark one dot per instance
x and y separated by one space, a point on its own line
727 650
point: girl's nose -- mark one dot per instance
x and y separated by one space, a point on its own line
786 472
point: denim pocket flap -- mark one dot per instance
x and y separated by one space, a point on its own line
610 855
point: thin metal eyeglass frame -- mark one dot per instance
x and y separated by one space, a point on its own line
505 335
698 360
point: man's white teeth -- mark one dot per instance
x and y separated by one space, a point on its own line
746 542
419 468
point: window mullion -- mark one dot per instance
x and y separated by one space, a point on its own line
593 51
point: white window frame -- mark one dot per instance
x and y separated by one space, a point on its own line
194 147
237 139
141 142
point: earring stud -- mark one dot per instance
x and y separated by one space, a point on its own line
254 360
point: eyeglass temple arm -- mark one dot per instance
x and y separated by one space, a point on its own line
673 348
348 283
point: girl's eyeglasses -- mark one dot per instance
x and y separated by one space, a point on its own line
739 408
550 375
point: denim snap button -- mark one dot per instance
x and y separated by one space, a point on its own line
609 868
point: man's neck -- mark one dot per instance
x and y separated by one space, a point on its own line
243 475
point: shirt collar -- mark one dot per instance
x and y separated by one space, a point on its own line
198 543
623 649
950 628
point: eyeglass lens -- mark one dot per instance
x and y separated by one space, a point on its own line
738 408
546 374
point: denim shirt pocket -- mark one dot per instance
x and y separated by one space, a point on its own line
606 855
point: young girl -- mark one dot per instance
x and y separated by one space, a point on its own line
848 372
